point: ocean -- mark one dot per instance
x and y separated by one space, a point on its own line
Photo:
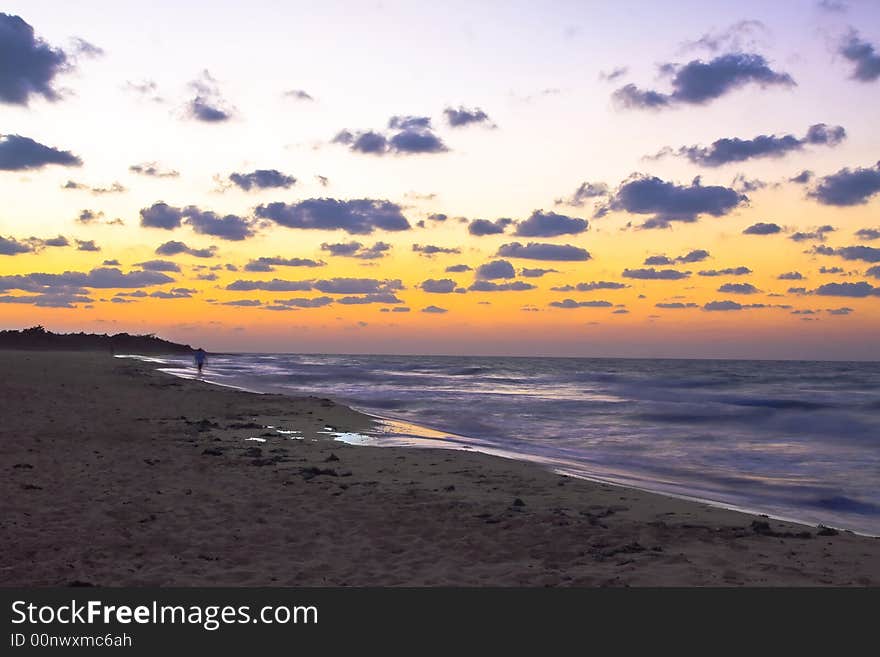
794 440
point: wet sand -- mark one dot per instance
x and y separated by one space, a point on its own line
115 474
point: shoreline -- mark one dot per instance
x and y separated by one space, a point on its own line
441 440
137 478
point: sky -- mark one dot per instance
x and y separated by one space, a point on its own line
629 179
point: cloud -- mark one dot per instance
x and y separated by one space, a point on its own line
430 249
87 245
868 234
873 271
489 286
738 288
29 64
357 286
655 274
245 303
791 276
728 150
495 270
175 293
262 179
550 224
457 269
358 250
697 255
583 193
115 188
642 194
462 116
730 271
847 186
675 305
722 306
356 216
76 282
434 309
174 248
818 234
161 215
441 286
19 153
10 246
275 285
864 253
802 178
762 228
863 54
856 290
299 302
50 300
153 169
228 227
410 135
613 74
571 303
536 273
543 251
833 6
159 265
589 287
481 227
298 94
208 105
699 82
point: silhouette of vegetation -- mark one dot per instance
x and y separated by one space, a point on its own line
37 338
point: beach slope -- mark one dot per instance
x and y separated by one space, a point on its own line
115 474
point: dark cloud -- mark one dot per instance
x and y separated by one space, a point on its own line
412 135
430 249
613 74
174 248
762 228
495 270
802 178
262 179
228 227
839 311
536 273
434 309
275 285
208 105
299 302
863 54
874 272
728 150
358 250
543 251
356 216
550 224
722 306
174 293
791 276
462 116
831 270
641 194
589 287
159 265
28 65
481 227
87 245
11 246
457 269
730 271
583 193
847 186
571 303
656 274
738 288
833 6
864 253
441 286
161 215
818 234
856 290
490 286
357 286
115 188
699 82
153 169
245 303
675 305
49 300
868 234
269 263
19 153
697 255
76 282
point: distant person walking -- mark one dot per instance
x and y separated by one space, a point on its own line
201 357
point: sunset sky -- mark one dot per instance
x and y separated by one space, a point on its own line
677 179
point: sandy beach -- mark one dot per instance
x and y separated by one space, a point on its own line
116 474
